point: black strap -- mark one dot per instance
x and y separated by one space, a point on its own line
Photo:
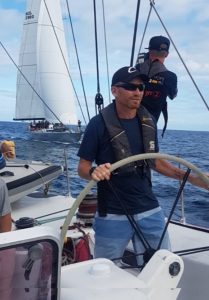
165 116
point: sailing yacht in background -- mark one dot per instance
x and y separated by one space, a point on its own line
44 91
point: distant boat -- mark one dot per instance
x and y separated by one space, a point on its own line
44 91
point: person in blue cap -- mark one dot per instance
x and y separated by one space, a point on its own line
126 201
162 83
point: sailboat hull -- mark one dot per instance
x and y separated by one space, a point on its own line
63 137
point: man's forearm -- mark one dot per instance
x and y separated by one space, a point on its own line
171 171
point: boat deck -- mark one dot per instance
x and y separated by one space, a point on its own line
44 209
22 178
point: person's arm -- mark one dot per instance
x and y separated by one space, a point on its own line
169 170
5 223
171 85
5 208
98 173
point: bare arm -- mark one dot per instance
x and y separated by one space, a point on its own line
5 223
100 172
169 170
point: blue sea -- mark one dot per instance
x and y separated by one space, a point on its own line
190 145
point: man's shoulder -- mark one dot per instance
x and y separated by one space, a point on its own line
168 73
96 119
171 74
95 124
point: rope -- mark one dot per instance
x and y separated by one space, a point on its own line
50 220
79 66
54 213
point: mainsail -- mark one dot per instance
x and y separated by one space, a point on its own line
44 65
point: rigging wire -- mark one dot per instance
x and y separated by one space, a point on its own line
135 31
145 29
185 66
67 172
186 175
105 40
96 46
98 98
77 56
23 75
53 27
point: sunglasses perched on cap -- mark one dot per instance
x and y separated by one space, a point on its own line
131 86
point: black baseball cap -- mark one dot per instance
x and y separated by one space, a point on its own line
159 43
126 74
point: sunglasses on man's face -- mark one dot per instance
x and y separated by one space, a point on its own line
131 86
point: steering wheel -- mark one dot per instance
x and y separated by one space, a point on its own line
119 164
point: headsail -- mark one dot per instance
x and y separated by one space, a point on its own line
42 62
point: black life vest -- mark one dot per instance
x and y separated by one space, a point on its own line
156 90
119 140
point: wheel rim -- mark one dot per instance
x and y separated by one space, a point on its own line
119 164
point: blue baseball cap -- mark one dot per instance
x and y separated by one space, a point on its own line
126 74
159 43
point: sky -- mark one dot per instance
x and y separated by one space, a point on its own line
187 22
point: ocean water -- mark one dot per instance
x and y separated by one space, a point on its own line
190 145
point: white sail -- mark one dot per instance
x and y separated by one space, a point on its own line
41 61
